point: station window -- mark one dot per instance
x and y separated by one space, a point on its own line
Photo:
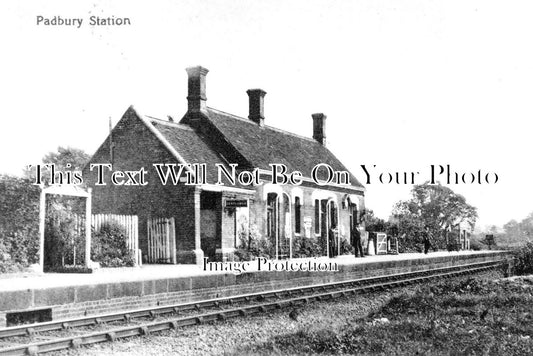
297 215
272 213
317 216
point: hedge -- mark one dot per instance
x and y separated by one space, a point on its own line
19 223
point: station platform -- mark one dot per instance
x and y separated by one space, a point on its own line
59 296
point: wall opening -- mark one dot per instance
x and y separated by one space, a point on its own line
28 317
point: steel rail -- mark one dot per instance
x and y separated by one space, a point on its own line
128 315
128 331
112 335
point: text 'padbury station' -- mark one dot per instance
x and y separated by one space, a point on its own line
195 174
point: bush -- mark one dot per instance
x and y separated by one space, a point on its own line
305 247
453 246
243 255
346 247
477 245
7 265
109 246
253 245
19 223
524 260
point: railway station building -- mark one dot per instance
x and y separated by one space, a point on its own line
206 219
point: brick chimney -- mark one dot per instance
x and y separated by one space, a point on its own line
196 94
319 128
257 106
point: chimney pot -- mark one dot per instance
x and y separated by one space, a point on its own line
319 128
256 99
196 97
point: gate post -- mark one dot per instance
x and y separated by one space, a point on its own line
88 212
198 252
42 215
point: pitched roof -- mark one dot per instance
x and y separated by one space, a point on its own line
263 145
190 145
259 145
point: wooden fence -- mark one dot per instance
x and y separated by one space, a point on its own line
161 240
130 224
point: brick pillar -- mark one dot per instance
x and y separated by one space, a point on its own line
226 250
198 252
189 250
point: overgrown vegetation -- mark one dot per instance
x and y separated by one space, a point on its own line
19 210
305 247
19 223
252 245
64 232
462 317
109 247
433 212
524 260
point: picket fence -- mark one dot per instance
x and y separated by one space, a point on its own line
161 240
130 224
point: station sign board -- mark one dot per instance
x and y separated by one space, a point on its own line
236 203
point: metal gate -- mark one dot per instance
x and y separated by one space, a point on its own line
161 240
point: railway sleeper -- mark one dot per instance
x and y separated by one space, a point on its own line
144 330
75 343
111 336
426 275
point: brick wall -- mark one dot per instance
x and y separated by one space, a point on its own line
135 146
69 302
258 207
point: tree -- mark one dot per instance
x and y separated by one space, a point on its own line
433 210
65 159
517 233
373 223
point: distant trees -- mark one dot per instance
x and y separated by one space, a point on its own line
516 233
522 230
373 223
433 211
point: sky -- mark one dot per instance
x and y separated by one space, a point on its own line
404 84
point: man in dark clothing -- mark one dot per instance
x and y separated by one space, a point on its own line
356 241
427 242
332 235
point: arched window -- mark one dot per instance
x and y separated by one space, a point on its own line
272 216
297 215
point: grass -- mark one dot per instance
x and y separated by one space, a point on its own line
460 317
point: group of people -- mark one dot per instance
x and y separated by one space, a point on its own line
356 242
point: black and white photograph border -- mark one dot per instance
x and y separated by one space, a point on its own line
266 177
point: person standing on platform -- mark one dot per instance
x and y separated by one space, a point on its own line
427 241
356 241
332 236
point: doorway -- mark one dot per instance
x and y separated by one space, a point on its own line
210 220
279 224
330 230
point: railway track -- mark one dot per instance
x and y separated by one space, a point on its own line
45 337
